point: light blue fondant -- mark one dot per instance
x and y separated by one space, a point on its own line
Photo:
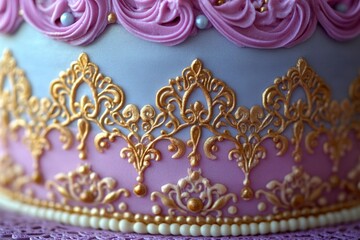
141 68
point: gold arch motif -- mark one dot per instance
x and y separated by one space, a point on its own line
246 128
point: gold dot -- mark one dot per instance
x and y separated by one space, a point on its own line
84 169
247 193
297 200
156 209
195 205
263 9
87 196
219 2
334 180
112 18
140 190
261 206
37 177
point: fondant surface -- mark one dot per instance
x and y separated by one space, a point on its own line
238 138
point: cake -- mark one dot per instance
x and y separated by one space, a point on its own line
180 117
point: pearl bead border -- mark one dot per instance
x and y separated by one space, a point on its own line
206 230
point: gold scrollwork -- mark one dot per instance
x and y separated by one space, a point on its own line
13 176
299 190
295 110
85 186
194 194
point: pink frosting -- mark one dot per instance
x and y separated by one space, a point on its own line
90 18
165 21
339 25
283 23
9 16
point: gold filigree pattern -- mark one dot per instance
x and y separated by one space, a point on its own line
85 186
194 194
351 185
12 175
299 190
296 110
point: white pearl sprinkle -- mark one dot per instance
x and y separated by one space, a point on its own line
140 227
201 21
225 230
67 19
215 230
195 230
104 223
125 226
114 225
164 229
94 222
152 228
175 229
274 226
235 230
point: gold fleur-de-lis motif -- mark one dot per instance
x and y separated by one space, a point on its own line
194 194
85 186
295 110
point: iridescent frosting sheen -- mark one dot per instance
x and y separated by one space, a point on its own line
9 16
248 23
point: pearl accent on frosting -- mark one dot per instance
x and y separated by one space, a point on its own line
201 21
67 19
245 23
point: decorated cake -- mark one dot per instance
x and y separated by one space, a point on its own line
181 117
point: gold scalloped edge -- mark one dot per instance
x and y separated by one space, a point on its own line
246 128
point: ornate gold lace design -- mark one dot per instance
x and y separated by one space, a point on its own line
194 194
298 190
85 186
282 114
12 175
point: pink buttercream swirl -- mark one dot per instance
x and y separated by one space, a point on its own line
9 16
339 25
90 18
283 23
249 23
165 21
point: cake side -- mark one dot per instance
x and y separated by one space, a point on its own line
111 142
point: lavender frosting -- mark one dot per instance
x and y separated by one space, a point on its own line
9 16
248 23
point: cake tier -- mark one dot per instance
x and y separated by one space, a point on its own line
238 141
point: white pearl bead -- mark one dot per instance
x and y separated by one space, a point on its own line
201 21
140 227
152 228
195 230
67 19
175 229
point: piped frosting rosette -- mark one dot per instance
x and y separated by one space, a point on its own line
340 19
88 16
9 16
262 24
164 21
